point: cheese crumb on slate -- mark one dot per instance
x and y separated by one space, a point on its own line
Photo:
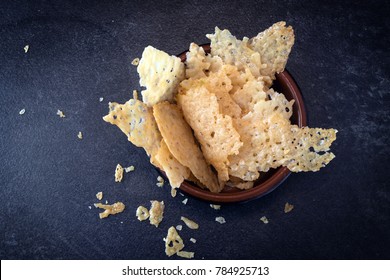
185 201
264 219
215 206
142 213
193 240
80 135
135 61
26 48
61 114
189 223
185 254
129 169
160 181
179 227
220 220
101 99
173 242
288 207
156 212
99 195
113 209
21 112
118 173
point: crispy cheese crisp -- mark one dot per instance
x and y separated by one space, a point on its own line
175 171
136 120
173 242
113 209
274 46
189 223
118 173
142 213
214 131
185 254
180 141
161 74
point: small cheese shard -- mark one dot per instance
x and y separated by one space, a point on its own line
118 173
193 240
101 99
142 213
129 169
156 212
161 74
288 207
113 209
80 135
189 223
60 113
179 227
215 206
99 195
21 112
264 219
173 242
26 48
135 61
185 254
220 220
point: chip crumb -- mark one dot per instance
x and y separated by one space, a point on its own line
129 169
135 61
156 212
264 219
61 114
121 222
160 182
288 207
173 242
118 173
189 223
90 207
80 135
215 206
113 209
220 220
106 202
26 48
173 192
181 194
21 112
142 213
101 99
135 94
99 195
193 240
185 254
185 201
179 227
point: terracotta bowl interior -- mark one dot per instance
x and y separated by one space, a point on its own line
268 181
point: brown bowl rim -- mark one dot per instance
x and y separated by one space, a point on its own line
271 183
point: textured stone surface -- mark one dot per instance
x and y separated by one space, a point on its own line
83 50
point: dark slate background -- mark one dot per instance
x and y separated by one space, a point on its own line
82 50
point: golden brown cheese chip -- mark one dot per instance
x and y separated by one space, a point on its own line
173 242
113 209
235 52
136 120
214 131
181 143
156 212
274 46
174 170
161 74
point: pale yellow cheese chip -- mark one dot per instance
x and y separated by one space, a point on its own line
189 223
142 213
161 74
118 173
274 46
156 212
185 254
173 242
174 170
235 52
178 136
136 120
213 130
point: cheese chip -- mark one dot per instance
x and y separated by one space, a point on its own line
274 46
214 131
174 170
173 242
136 120
181 143
161 74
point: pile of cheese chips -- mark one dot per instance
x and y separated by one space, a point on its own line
214 119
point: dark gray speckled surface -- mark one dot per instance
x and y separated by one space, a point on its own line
82 50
